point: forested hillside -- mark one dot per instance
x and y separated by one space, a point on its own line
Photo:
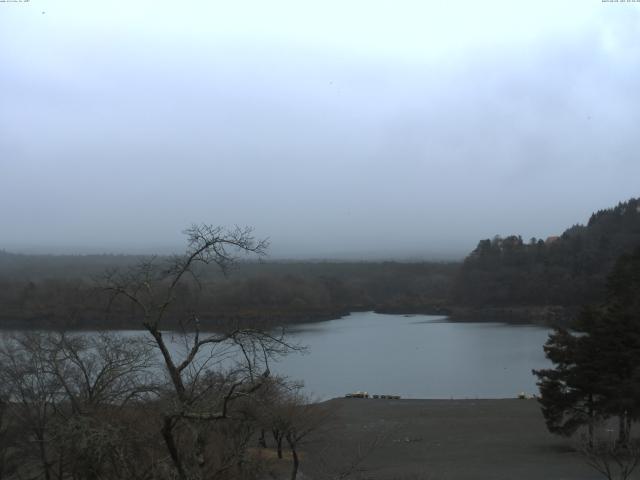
568 270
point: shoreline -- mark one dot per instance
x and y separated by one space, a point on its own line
548 316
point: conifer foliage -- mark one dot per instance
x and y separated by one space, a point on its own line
568 270
596 372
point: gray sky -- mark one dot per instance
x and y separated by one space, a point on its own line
352 129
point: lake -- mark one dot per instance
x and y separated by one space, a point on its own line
415 356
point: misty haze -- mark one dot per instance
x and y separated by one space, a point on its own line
319 240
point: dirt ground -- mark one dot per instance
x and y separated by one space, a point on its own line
442 439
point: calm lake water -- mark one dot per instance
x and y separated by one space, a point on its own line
416 356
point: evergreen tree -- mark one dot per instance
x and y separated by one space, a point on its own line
596 370
617 333
568 392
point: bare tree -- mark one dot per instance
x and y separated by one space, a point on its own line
7 432
183 403
270 402
100 369
292 417
612 459
213 370
66 394
100 375
34 392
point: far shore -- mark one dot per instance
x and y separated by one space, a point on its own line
549 316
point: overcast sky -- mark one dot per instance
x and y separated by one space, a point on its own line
351 129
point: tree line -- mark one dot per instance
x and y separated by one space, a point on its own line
65 291
569 270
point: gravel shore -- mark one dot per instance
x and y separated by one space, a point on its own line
447 439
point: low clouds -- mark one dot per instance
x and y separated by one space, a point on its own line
380 138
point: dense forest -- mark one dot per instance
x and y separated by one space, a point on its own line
37 290
567 271
502 279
